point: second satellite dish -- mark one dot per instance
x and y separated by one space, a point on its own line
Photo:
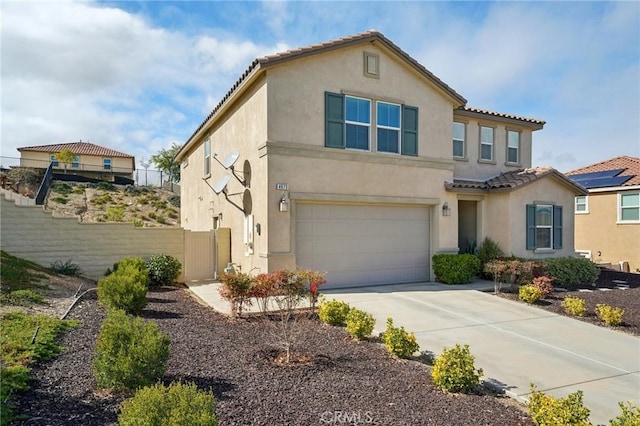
221 184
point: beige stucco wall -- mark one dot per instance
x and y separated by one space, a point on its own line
31 233
471 167
87 162
505 217
242 129
599 231
279 123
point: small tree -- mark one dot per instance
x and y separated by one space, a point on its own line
66 157
165 161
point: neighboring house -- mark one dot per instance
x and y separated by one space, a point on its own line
91 160
352 158
608 218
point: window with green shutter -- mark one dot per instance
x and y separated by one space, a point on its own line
544 226
349 124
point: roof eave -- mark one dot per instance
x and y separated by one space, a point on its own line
523 123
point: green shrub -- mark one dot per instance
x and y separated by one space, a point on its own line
104 186
66 268
115 214
610 315
137 223
135 262
574 306
487 251
124 289
572 270
529 294
547 410
398 341
455 268
163 269
359 323
630 415
174 405
21 298
63 188
130 353
333 312
160 219
60 200
454 370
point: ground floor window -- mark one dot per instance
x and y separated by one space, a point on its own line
544 226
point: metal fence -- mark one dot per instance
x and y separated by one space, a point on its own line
141 177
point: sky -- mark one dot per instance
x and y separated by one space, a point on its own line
138 76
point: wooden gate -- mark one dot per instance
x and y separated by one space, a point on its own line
199 256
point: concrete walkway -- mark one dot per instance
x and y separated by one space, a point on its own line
513 343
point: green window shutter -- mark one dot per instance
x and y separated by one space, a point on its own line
557 227
334 120
531 227
409 130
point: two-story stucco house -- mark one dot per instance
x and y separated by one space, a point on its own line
90 160
608 218
350 157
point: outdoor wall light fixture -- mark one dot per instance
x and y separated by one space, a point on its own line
284 204
446 211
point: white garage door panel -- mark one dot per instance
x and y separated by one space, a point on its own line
363 245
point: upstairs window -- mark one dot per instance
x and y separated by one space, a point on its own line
459 130
106 163
582 204
486 143
629 207
544 226
388 120
348 124
207 157
54 162
513 147
358 122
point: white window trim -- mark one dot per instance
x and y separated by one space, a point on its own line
549 227
619 205
518 161
75 164
357 123
207 158
463 140
492 144
586 205
104 164
398 129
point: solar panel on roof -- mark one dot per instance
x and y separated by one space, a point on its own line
597 175
603 182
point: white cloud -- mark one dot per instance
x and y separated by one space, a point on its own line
78 70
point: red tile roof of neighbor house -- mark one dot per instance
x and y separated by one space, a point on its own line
511 180
78 148
630 164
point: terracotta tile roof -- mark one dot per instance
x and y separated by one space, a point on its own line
78 148
629 165
367 36
502 115
511 180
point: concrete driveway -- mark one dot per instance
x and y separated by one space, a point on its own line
513 343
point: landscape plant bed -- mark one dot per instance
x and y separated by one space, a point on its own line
628 299
332 379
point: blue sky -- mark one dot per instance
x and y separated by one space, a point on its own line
139 76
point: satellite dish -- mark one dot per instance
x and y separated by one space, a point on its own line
221 184
231 159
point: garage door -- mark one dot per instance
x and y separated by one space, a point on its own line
363 244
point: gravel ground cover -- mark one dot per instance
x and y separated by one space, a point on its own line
606 290
334 381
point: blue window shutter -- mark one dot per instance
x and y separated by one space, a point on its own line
531 227
334 120
557 227
409 130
